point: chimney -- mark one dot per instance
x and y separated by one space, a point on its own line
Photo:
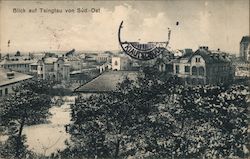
7 57
203 48
10 75
18 53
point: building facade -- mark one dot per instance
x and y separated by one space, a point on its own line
242 69
53 68
245 48
9 80
17 62
204 67
120 63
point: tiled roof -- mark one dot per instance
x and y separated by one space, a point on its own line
50 60
210 57
107 81
17 77
187 55
207 55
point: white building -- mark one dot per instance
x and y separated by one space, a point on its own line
17 62
53 68
121 63
103 57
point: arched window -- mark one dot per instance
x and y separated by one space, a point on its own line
6 91
194 70
201 71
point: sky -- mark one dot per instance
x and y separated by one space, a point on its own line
217 24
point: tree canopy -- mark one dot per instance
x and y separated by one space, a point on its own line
152 118
28 105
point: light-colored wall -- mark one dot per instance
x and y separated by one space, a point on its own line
66 71
9 87
244 50
17 67
123 63
118 66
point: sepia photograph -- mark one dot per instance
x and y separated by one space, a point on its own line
124 79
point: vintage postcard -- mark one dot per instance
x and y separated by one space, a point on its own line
124 79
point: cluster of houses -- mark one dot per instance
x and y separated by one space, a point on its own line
70 67
203 66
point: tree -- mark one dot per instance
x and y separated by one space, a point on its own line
109 125
214 121
159 119
25 106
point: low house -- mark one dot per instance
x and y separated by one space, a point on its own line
204 67
9 80
164 62
17 62
242 68
104 66
75 62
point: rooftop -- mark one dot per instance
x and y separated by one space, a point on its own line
207 55
245 39
18 77
14 61
50 60
210 57
107 81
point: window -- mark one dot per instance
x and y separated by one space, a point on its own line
187 69
194 70
197 60
116 63
201 71
161 67
177 68
189 80
6 91
1 93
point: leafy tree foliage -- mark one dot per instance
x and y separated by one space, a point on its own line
29 104
219 114
159 119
